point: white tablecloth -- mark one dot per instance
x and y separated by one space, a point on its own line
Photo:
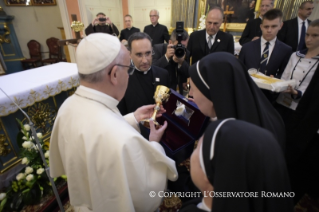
35 85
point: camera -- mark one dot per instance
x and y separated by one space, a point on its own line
180 49
102 19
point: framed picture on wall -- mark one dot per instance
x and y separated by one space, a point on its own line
17 2
43 2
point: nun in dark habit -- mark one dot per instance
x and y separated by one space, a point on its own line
222 88
239 166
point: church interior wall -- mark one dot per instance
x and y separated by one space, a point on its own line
35 22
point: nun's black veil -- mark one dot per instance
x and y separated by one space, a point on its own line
246 158
234 94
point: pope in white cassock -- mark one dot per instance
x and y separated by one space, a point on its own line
109 165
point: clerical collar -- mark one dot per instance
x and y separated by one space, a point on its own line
154 25
144 72
129 28
261 17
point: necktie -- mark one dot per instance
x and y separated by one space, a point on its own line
210 41
264 59
302 37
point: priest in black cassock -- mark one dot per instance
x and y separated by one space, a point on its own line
102 23
142 83
156 31
126 33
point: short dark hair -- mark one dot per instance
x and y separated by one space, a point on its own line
272 15
100 13
314 23
216 7
185 35
302 5
137 36
128 15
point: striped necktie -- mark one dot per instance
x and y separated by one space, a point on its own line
264 59
210 41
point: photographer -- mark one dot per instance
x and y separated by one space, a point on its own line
177 67
102 24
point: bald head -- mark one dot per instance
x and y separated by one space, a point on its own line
214 19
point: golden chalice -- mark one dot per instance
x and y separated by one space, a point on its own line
161 95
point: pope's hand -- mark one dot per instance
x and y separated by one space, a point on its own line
146 112
156 134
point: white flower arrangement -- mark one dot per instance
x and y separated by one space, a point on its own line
202 20
27 144
27 127
40 171
28 170
2 196
29 177
20 176
31 183
47 154
25 161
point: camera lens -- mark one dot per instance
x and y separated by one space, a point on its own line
102 19
180 52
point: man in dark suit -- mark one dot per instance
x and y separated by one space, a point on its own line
252 30
142 83
164 57
209 40
156 31
294 30
103 24
126 33
267 54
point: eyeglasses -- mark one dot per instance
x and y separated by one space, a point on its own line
130 70
153 16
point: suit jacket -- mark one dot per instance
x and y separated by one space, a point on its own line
251 30
106 29
126 33
250 55
289 33
135 96
160 60
159 33
198 48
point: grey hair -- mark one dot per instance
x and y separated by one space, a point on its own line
271 2
304 3
95 77
157 12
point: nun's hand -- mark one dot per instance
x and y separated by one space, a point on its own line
146 112
156 134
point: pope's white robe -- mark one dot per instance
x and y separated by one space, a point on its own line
109 165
